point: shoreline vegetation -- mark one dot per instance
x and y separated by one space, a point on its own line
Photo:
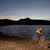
26 21
21 43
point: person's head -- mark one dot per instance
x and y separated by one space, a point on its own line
40 29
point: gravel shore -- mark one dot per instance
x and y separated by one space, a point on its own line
20 43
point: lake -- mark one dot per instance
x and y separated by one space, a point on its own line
25 30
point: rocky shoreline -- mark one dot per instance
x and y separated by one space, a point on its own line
20 43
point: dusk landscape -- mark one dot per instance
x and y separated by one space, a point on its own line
20 9
19 19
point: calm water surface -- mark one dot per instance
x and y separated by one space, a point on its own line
25 30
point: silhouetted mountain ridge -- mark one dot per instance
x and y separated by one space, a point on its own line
26 21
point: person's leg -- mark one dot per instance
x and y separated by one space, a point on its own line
37 35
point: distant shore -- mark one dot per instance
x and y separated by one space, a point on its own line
26 21
21 43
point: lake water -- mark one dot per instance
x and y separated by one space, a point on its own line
25 30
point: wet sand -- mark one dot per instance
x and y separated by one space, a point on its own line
20 43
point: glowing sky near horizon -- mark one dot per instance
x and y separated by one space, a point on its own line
17 9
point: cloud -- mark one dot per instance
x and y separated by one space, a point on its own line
8 17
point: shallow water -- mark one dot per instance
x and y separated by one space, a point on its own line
25 30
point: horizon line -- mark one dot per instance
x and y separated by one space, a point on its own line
25 18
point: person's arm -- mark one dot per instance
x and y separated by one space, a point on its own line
40 32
